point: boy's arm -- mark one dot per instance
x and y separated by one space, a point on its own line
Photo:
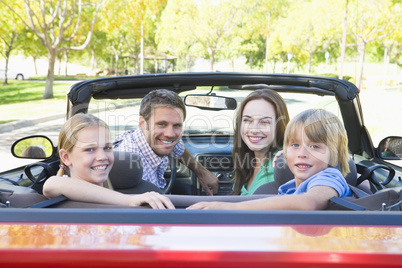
209 182
316 198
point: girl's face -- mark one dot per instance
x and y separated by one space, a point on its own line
91 159
258 125
306 158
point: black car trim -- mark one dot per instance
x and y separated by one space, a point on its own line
182 216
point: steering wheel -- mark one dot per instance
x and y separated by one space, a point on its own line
168 188
44 174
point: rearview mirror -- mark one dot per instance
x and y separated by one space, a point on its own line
33 147
390 148
210 102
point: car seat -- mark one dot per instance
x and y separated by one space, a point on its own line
126 174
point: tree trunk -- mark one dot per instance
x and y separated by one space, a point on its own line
5 82
212 60
343 44
92 62
116 63
362 52
35 65
48 94
65 62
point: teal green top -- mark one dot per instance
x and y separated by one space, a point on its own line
266 174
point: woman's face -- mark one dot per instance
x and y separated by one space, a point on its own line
258 125
91 158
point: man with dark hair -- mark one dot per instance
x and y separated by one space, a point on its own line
162 113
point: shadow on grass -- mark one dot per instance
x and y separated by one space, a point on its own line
23 91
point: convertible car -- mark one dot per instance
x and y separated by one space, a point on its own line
362 231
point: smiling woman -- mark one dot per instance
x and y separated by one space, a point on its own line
260 126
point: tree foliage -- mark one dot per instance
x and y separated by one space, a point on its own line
261 32
59 26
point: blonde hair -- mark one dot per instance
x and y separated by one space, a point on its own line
69 131
323 127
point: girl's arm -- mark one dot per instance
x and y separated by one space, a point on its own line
315 199
83 191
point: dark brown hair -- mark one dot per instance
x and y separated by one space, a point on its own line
243 157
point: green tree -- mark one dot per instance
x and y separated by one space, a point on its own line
200 27
32 47
256 28
174 35
369 25
56 24
11 29
129 24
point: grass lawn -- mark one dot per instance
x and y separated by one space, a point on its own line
23 99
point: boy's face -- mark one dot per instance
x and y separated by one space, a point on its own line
164 129
306 158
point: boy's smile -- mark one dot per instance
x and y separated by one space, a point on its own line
305 157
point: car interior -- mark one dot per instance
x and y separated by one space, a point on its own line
212 147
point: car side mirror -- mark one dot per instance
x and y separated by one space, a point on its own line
33 147
390 148
210 102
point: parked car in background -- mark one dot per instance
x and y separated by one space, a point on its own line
11 74
65 233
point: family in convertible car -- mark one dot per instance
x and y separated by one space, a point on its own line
315 147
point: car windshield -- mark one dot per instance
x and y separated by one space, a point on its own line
122 115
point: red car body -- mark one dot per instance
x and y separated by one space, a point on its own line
126 245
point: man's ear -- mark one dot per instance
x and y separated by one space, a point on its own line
65 157
143 123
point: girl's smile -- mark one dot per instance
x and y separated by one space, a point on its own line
91 159
258 125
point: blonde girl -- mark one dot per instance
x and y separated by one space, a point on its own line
86 158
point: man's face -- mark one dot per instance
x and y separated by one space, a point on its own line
163 129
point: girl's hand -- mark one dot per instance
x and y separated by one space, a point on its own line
213 205
155 200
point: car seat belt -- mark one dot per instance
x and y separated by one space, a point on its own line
50 202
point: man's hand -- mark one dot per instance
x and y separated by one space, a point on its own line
209 182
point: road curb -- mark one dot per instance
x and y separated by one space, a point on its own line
7 127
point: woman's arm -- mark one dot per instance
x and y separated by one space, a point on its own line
83 191
315 199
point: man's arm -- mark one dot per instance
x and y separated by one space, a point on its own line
209 182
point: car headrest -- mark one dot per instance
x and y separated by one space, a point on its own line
126 171
282 173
